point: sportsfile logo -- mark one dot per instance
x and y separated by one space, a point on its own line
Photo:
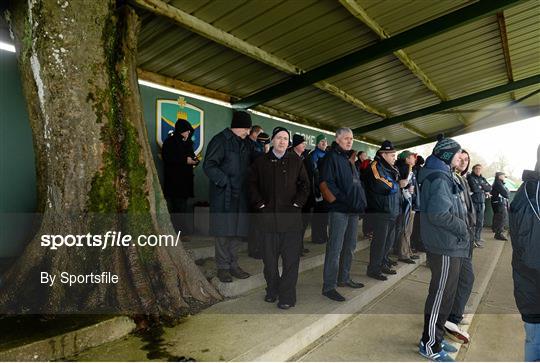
109 239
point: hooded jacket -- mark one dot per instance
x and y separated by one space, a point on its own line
383 188
340 182
177 172
443 216
524 221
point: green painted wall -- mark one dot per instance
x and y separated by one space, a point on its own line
216 118
17 166
18 196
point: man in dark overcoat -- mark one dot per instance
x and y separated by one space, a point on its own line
226 164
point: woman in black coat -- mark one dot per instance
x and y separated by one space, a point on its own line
179 160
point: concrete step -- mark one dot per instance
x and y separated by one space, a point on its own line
496 331
395 320
313 259
249 329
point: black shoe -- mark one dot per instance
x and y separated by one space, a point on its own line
305 250
224 275
501 237
239 273
392 262
415 257
333 295
378 276
285 306
270 299
410 261
351 283
388 271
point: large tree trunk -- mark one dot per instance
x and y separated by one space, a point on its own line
95 170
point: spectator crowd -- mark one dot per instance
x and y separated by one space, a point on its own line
268 188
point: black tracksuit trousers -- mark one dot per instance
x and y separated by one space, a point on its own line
445 271
463 292
287 245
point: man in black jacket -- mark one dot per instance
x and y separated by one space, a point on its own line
383 185
279 187
480 189
342 190
179 160
499 203
226 164
525 235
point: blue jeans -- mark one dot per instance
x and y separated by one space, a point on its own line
339 249
532 342
480 209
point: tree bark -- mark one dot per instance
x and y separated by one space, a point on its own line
95 171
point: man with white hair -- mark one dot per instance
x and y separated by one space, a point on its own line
343 191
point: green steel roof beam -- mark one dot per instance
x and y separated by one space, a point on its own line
230 41
407 38
445 105
360 13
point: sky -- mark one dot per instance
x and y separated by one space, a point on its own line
517 141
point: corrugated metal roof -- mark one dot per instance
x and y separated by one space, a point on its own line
386 84
305 33
396 16
523 26
315 104
309 33
392 133
465 60
431 125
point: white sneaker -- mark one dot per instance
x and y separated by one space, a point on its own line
455 333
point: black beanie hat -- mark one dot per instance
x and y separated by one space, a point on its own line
279 129
241 120
181 126
446 148
297 140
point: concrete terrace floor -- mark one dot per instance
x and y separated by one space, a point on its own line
387 328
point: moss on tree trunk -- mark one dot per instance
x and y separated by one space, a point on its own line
95 169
